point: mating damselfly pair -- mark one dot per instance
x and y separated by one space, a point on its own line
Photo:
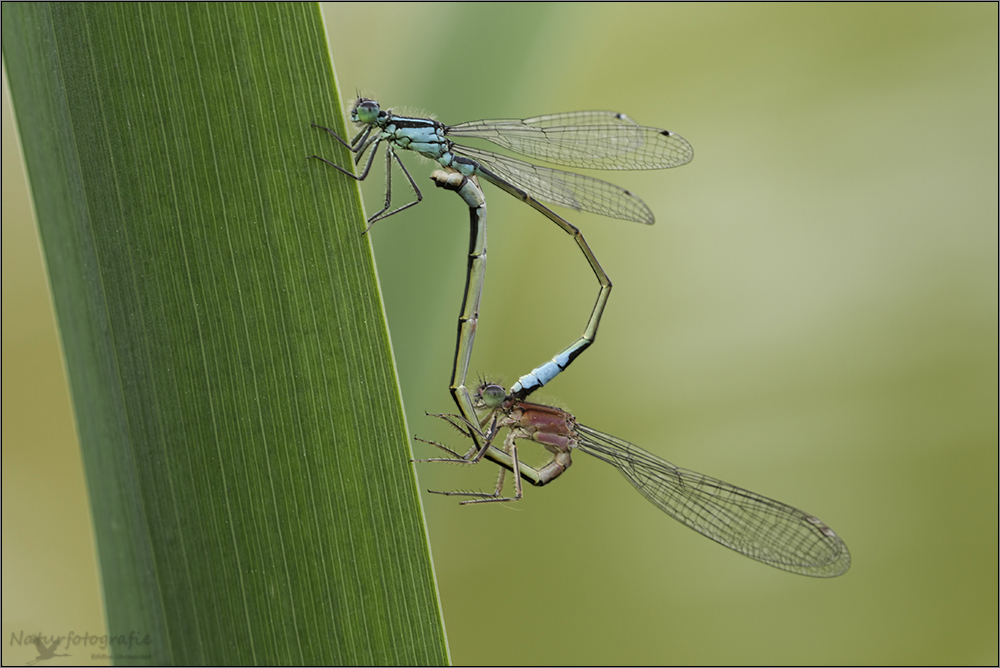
756 526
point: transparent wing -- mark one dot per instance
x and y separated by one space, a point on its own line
754 525
589 139
575 191
565 118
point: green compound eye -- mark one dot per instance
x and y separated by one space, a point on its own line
366 111
492 395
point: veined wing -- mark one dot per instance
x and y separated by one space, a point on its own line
545 121
588 139
756 526
575 191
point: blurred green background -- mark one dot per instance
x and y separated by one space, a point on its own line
814 317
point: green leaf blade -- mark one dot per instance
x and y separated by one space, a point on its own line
242 429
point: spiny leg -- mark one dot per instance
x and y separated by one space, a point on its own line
356 145
509 452
359 145
464 427
391 155
360 151
510 449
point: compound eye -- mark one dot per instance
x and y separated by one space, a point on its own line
366 111
492 395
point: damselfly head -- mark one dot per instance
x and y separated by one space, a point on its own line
365 110
490 395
